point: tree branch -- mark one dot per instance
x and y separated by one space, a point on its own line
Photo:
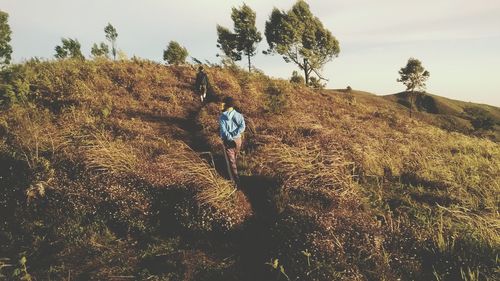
319 76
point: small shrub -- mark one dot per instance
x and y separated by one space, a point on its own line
315 83
277 97
103 154
297 78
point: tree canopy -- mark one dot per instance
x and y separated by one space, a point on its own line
413 75
175 53
301 38
5 32
244 39
111 36
101 50
70 48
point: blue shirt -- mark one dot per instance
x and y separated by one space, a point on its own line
231 124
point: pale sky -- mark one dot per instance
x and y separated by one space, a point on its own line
458 41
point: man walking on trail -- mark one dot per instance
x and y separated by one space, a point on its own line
201 84
232 126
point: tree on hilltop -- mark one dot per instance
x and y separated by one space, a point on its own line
101 50
70 48
301 38
5 32
244 39
413 76
111 36
175 53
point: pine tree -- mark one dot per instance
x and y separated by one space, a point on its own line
244 39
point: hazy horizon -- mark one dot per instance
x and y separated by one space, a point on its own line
457 41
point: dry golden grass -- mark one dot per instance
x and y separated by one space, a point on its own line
309 167
325 150
485 226
180 166
106 155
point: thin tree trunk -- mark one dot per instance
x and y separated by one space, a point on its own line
249 64
306 72
410 99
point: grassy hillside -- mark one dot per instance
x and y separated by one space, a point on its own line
104 176
454 115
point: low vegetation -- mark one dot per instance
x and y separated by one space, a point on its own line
104 175
468 118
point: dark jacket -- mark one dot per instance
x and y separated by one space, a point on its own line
201 80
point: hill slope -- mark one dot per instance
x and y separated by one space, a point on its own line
104 173
454 115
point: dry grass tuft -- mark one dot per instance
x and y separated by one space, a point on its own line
485 226
182 167
309 167
106 155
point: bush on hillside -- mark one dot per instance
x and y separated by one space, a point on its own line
480 118
297 78
277 97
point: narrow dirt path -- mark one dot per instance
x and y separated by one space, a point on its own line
251 245
255 243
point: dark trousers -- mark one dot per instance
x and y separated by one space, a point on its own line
231 150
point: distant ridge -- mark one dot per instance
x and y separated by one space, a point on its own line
448 114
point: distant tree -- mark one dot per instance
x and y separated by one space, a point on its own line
413 76
244 39
101 50
297 78
70 48
5 32
111 36
175 53
301 38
